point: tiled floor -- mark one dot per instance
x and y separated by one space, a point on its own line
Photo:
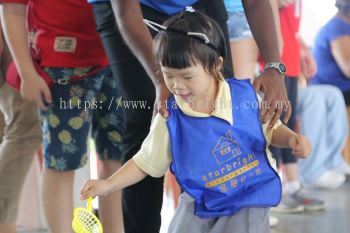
336 219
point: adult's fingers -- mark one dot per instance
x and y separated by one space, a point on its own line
258 84
40 103
288 112
276 114
47 95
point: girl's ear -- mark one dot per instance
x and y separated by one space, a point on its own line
220 62
216 69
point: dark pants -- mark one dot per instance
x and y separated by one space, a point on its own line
346 95
284 154
142 202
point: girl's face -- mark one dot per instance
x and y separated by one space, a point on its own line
192 84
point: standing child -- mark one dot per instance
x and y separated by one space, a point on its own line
82 99
213 139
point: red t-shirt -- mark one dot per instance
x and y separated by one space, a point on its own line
64 33
290 21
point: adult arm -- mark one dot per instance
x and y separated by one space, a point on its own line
33 87
129 18
340 49
261 21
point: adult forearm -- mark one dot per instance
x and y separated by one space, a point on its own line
261 21
137 36
16 34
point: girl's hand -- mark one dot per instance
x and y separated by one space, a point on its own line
300 145
92 188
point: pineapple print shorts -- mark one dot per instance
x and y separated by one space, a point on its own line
81 109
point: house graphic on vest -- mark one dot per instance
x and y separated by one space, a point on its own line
226 149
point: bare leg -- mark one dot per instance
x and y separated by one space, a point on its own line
290 172
110 209
57 196
8 228
244 56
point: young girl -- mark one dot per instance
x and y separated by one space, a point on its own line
213 139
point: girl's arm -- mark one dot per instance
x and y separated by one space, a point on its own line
283 137
127 175
152 159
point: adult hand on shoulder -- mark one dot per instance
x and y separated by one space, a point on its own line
35 89
275 97
162 95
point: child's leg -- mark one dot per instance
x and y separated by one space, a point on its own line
244 57
57 197
244 51
107 129
248 220
184 219
65 127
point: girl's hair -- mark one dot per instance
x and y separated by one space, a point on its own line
174 49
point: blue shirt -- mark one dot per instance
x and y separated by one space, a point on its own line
328 72
234 6
96 1
169 7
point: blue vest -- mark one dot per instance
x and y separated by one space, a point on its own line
223 167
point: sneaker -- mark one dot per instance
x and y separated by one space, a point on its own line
344 169
298 202
329 180
309 203
273 221
288 204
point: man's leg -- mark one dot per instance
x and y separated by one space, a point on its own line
142 202
336 120
108 120
22 137
313 127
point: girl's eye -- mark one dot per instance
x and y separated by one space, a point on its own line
187 78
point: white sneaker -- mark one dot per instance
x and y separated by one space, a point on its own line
329 180
273 221
344 169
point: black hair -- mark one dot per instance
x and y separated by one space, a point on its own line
177 50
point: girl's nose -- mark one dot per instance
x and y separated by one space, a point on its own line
178 84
